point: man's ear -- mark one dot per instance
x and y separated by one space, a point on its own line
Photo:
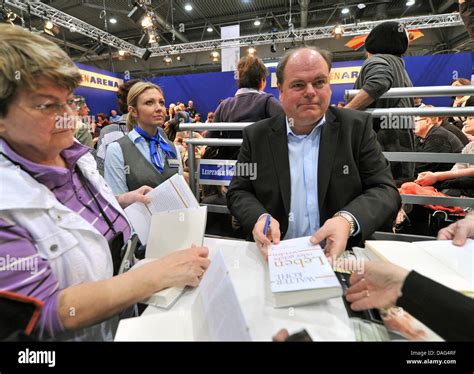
279 90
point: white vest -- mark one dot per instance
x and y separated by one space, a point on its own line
75 250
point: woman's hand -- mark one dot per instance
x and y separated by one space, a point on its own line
181 268
378 286
426 178
131 197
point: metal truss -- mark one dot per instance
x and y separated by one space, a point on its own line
298 36
62 19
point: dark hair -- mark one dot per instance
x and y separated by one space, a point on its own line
251 70
122 94
284 60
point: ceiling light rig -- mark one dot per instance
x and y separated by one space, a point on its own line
167 60
215 55
51 29
338 31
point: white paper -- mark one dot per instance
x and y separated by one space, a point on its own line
140 218
172 194
222 310
178 229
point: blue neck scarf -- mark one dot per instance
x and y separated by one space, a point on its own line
155 141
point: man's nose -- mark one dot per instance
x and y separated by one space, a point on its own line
309 90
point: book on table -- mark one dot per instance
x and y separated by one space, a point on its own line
300 274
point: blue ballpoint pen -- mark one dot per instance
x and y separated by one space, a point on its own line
267 225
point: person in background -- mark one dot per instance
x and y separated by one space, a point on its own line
210 117
117 130
418 101
461 175
56 209
145 156
384 69
101 123
461 101
249 104
114 117
432 138
197 118
82 133
190 109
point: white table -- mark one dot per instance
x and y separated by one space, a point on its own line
248 271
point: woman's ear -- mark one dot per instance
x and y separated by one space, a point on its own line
132 111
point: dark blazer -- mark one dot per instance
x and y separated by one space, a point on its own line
353 174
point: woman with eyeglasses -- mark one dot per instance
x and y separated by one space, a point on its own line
59 221
145 156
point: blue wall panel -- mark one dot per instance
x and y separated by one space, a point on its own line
207 89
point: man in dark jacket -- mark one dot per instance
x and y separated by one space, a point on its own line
383 70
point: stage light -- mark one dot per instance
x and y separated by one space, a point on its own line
167 60
338 31
51 29
137 13
215 56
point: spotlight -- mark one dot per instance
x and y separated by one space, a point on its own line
338 31
8 16
146 55
209 29
257 22
121 53
215 55
137 13
179 58
410 2
167 60
51 29
146 22
345 10
153 38
113 20
188 7
251 50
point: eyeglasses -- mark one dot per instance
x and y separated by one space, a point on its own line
56 108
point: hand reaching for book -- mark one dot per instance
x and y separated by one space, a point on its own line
378 286
182 268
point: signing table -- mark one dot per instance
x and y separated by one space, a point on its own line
235 304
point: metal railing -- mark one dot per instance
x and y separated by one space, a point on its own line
427 91
391 156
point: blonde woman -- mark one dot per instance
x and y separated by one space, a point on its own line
145 156
58 217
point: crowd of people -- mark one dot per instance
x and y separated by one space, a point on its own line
321 173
